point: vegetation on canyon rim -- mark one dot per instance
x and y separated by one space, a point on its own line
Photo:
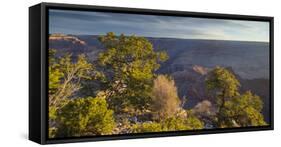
121 93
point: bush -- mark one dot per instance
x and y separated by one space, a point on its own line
170 124
52 132
244 110
165 101
179 124
147 127
85 116
193 122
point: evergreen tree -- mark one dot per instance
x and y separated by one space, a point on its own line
129 64
64 80
233 109
244 110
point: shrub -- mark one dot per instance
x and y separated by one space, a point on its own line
147 127
170 124
179 123
244 110
85 116
165 101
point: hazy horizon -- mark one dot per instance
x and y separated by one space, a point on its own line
99 23
163 37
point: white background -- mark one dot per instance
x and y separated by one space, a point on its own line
14 72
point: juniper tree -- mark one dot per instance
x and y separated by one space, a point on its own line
129 64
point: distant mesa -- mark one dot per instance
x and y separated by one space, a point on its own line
243 57
200 69
63 37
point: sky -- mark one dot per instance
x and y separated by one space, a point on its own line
99 23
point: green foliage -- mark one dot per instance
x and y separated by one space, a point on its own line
147 127
129 63
222 85
75 70
193 121
234 110
52 113
170 124
222 82
54 72
190 122
52 132
165 101
85 116
244 110
64 78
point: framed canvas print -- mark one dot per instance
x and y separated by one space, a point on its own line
101 73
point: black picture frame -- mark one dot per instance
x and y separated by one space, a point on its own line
38 69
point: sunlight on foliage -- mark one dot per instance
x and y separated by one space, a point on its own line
64 78
170 124
85 116
234 110
129 63
244 110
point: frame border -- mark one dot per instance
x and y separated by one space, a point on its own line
44 33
